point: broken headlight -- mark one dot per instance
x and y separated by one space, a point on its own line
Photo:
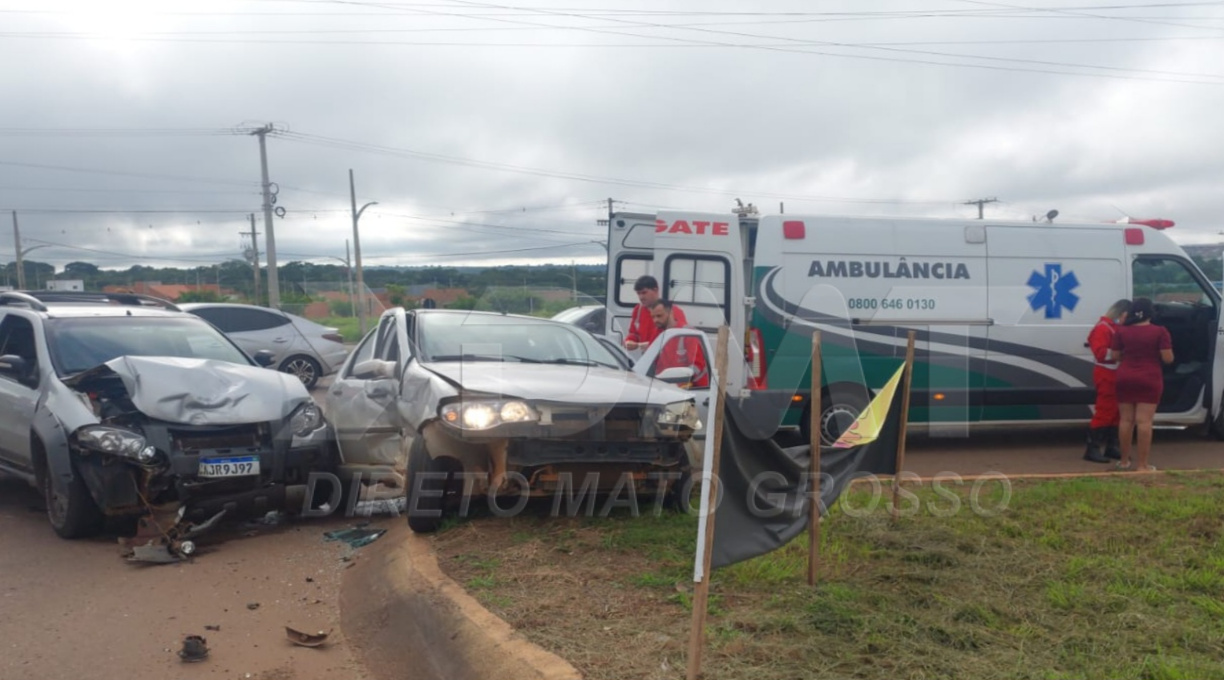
116 442
680 414
305 419
486 413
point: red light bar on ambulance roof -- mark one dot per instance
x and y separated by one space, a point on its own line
793 229
1155 223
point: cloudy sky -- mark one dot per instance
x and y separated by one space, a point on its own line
495 131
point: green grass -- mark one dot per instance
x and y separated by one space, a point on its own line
348 326
1085 578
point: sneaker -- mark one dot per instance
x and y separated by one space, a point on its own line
1121 466
1150 468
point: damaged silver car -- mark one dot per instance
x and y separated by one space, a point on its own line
459 404
121 406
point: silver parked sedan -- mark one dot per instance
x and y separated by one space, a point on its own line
301 347
482 404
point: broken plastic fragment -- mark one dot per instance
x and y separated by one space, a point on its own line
297 637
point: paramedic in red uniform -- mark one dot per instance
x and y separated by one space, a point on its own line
642 329
1103 430
1141 349
686 352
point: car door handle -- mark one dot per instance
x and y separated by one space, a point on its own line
281 340
705 402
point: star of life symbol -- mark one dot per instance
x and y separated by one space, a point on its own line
1053 291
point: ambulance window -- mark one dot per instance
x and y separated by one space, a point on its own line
698 281
628 269
1165 280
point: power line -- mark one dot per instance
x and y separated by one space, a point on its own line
848 45
119 173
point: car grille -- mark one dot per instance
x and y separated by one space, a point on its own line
210 439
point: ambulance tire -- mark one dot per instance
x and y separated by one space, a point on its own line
835 417
1216 425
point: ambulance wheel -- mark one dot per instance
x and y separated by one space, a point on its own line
1216 426
836 416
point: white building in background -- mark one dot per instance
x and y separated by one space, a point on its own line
76 285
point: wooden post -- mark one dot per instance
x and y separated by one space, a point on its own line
701 591
905 402
814 471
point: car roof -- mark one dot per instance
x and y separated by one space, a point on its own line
188 306
55 304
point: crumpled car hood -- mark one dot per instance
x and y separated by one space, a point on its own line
200 391
586 385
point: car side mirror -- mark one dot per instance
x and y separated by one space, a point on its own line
14 366
676 375
265 358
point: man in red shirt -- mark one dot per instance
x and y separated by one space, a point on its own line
686 352
642 328
1103 441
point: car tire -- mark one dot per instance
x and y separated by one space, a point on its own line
73 515
680 493
425 513
304 368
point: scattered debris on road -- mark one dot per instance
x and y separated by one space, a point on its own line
253 606
216 628
301 639
195 648
356 537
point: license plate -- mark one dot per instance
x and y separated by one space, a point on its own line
238 466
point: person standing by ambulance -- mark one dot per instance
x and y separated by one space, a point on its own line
642 328
1141 349
678 352
1103 444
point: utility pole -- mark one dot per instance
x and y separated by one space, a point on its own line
361 310
980 203
17 246
254 254
273 280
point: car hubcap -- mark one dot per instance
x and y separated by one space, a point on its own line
302 369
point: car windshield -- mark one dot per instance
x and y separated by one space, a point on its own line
80 344
490 337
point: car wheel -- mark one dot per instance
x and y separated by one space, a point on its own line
682 492
72 514
425 510
306 369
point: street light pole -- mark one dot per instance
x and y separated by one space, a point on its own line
17 247
361 311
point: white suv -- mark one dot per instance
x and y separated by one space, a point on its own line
124 406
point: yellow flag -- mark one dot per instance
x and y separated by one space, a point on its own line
867 426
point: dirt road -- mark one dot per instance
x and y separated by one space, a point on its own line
75 609
1047 450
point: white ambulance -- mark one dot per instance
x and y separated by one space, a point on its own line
1001 310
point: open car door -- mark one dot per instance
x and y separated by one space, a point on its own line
361 402
683 357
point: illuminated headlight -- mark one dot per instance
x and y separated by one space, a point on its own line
485 414
680 414
305 419
116 442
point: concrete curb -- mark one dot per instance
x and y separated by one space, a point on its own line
406 617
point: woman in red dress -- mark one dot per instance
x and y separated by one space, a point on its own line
1139 348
